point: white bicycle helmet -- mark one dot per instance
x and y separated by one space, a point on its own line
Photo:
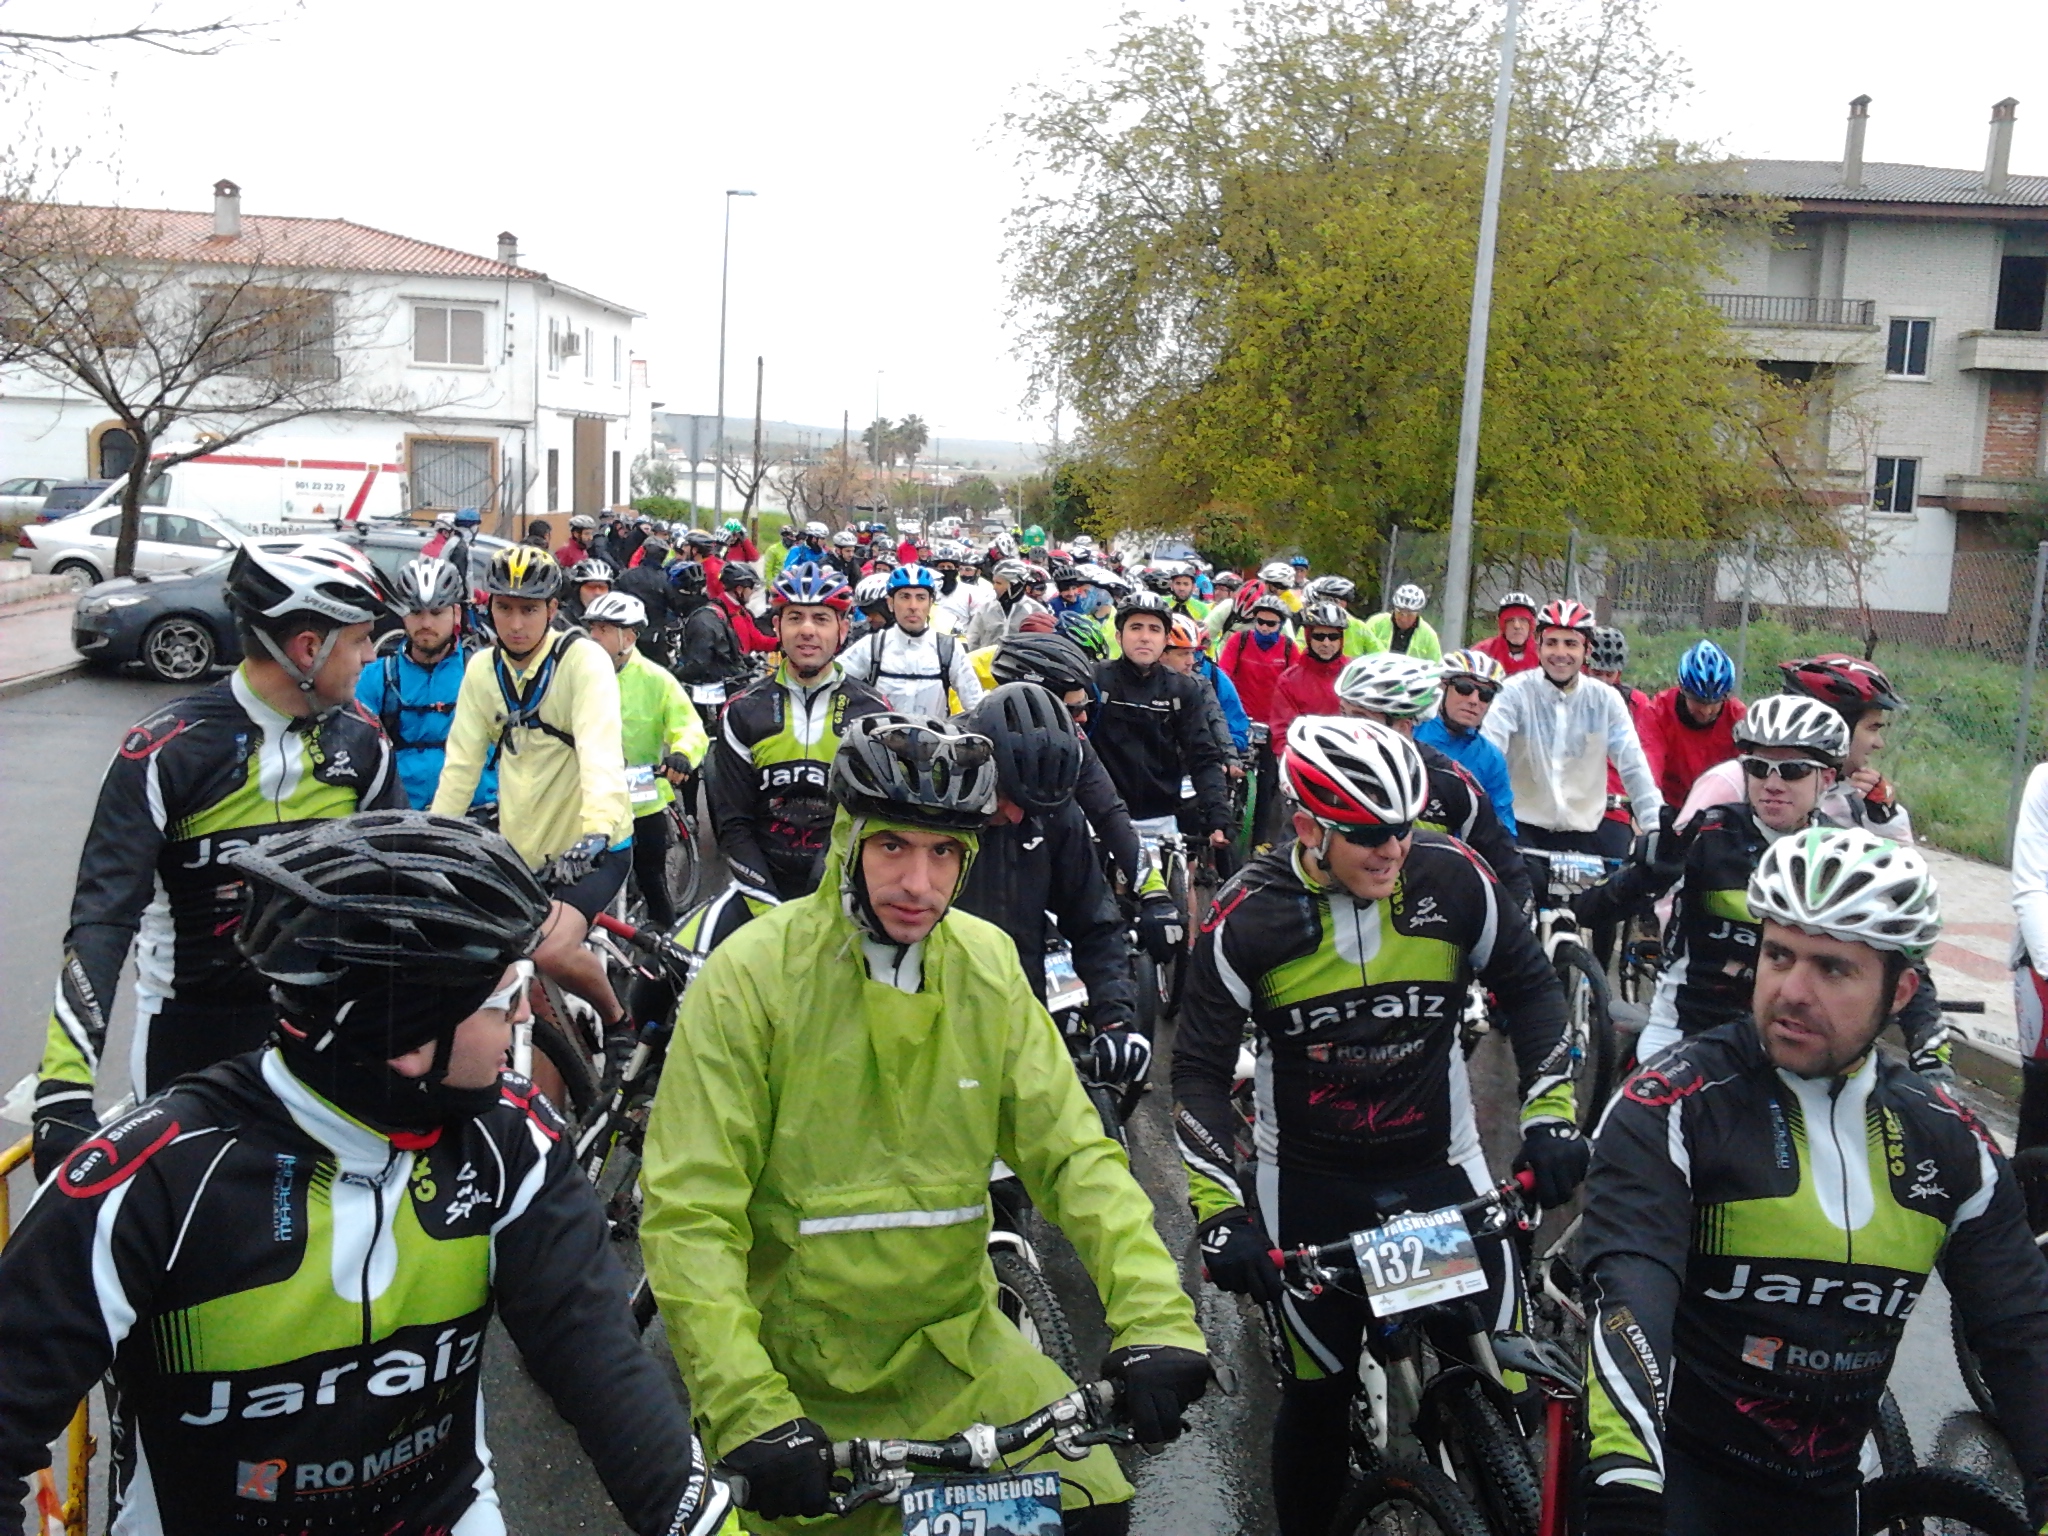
620 608
1474 664
1353 773
1330 589
1387 683
1011 572
1277 573
1793 720
1409 598
427 582
871 589
1849 884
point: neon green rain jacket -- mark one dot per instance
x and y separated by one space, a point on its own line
816 1183
656 718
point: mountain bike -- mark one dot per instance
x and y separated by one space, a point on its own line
885 1471
1589 1024
1066 999
1159 983
1943 1500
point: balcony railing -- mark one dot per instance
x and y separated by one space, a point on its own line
1777 309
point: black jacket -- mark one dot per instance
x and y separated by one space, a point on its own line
1110 818
1152 729
1045 864
649 583
707 650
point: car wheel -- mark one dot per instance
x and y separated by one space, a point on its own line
77 572
178 649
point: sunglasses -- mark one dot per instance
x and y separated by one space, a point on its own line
1793 772
1372 837
506 996
1324 634
1464 687
1265 623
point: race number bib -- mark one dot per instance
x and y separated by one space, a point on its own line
1063 985
640 784
708 693
989 1504
1418 1260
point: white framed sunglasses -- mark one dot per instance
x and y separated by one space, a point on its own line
507 997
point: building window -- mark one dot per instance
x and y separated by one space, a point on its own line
447 336
615 477
1897 480
1905 354
453 472
554 346
589 353
554 479
618 364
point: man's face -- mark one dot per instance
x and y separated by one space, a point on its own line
1516 627
1779 805
1324 644
477 1055
335 680
521 622
429 630
911 878
1078 705
616 639
809 635
1405 618
1180 658
913 609
1867 740
1561 653
1819 1002
591 591
1611 679
583 536
1183 587
741 592
1700 709
1143 638
1466 701
1368 873
1070 591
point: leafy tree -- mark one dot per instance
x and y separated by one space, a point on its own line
908 439
878 437
978 493
1249 275
655 473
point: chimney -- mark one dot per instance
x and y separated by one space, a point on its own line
227 210
1998 155
1852 148
508 248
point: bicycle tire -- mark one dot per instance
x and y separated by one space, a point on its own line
1586 1014
1145 971
567 1058
1401 1487
1491 1462
1028 1301
681 868
1894 1440
1177 972
1960 1501
1967 1367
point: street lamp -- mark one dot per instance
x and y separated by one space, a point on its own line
718 450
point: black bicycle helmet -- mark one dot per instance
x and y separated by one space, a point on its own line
1051 661
737 573
520 570
1140 602
1038 754
701 539
928 773
687 577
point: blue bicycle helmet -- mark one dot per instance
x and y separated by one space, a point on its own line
1706 673
811 586
913 576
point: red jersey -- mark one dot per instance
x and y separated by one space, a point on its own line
1680 751
1257 671
1309 687
1511 660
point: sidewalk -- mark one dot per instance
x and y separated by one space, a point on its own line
35 639
1970 962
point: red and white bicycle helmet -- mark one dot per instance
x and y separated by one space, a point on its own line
1565 613
1353 773
1847 682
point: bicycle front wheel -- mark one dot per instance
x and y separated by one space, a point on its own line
1027 1301
1966 1363
1493 1464
1939 1501
1591 1031
1407 1498
680 867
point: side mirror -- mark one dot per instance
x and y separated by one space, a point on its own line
223 543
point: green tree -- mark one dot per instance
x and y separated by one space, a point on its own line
908 438
878 437
1249 276
978 493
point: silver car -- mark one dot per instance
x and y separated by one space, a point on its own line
82 546
23 496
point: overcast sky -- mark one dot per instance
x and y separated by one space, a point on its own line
604 134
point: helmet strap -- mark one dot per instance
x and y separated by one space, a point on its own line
304 678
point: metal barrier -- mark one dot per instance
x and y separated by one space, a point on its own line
79 1444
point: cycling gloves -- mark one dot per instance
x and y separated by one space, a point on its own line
1237 1256
1558 1155
788 1471
1160 1383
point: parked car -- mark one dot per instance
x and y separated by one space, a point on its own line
177 624
23 496
82 547
68 496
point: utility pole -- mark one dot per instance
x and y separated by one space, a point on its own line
724 275
1458 571
754 501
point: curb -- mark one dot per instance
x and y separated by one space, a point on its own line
35 682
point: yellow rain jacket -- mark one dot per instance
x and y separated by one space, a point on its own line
816 1182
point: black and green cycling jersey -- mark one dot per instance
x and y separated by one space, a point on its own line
1755 1243
1356 1007
293 1308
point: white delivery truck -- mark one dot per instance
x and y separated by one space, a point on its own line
270 486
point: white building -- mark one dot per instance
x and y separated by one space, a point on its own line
518 394
1915 294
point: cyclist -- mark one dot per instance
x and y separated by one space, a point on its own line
589 579
278 743
1309 685
706 649
1184 653
1515 646
648 580
1350 950
664 741
412 684
1035 872
911 665
737 545
582 542
1765 1204
769 808
546 702
1689 728
737 583
1397 691
1607 659
1402 628
327 1227
1472 680
1283 580
1180 583
871 597
1013 604
817 1185
1342 591
772 563
1152 729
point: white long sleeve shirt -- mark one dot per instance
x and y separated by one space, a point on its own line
911 671
1558 741
2030 873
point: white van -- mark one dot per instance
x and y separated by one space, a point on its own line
273 486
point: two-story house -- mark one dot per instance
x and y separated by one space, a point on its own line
498 386
1914 296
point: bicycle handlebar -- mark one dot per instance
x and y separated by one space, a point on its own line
1313 1263
658 946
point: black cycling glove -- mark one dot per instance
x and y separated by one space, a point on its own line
1237 1257
677 764
61 1129
1160 1382
787 1471
1558 1155
1120 1056
1162 926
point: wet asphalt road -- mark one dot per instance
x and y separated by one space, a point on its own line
53 747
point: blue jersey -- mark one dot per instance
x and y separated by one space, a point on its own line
1480 758
1234 716
416 705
